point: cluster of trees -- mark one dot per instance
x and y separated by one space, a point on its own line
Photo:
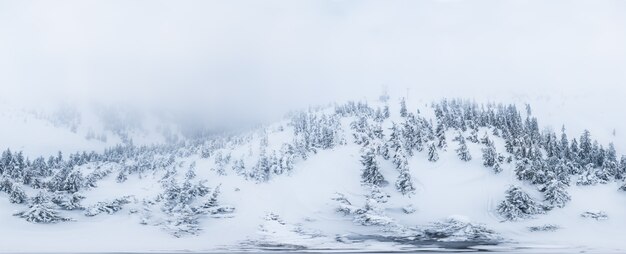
541 157
184 205
313 130
538 157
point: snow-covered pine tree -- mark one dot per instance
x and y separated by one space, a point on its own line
386 113
17 195
403 110
68 201
395 143
555 193
371 170
588 176
585 151
404 184
564 145
261 171
433 155
489 155
412 135
239 167
462 151
440 133
621 169
607 171
485 139
473 137
41 211
574 152
518 205
67 179
497 168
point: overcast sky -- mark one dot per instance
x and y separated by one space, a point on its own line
278 54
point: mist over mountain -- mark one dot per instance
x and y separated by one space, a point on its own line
227 126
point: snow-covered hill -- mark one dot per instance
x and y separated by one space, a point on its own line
353 176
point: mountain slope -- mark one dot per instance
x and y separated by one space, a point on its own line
299 184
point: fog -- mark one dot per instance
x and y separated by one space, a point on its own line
266 57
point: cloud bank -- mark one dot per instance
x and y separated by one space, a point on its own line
257 57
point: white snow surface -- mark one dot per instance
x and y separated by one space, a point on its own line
302 199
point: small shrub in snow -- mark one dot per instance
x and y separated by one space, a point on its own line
409 209
184 222
345 206
109 207
221 211
274 217
457 229
378 194
597 215
371 215
544 228
121 177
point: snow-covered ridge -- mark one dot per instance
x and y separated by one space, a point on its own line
356 175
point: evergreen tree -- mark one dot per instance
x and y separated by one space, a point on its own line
462 151
412 135
440 133
394 143
485 139
489 155
508 145
433 155
621 170
473 137
607 171
555 193
261 171
588 176
518 205
371 171
497 168
17 195
239 167
564 144
404 184
586 148
68 201
403 110
41 211
386 113
67 180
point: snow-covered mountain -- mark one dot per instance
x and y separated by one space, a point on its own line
377 175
